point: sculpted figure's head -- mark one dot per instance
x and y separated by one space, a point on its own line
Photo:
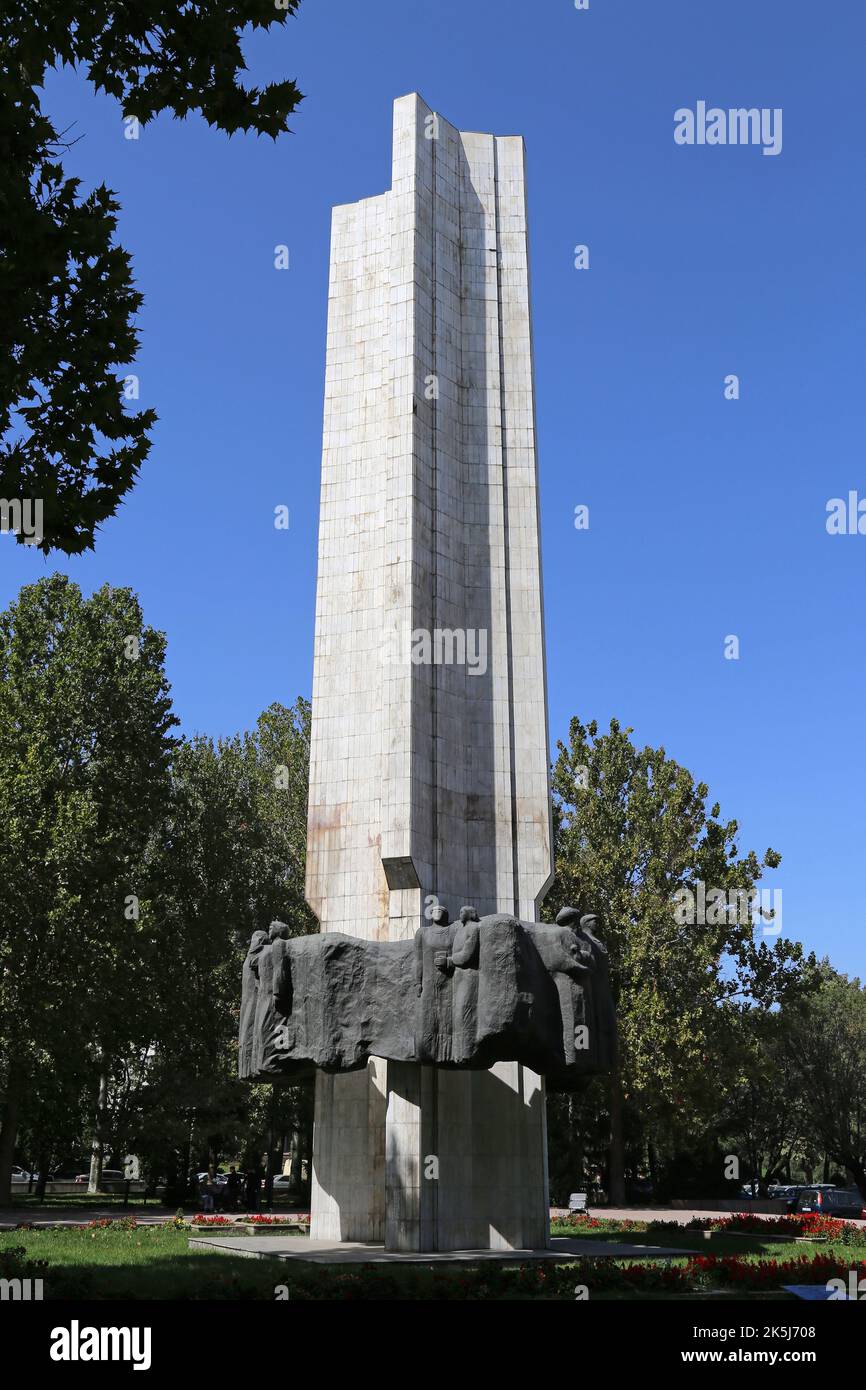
468 914
589 923
277 929
568 917
439 915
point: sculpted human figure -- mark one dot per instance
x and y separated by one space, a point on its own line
249 998
265 1009
465 949
601 1019
433 942
589 1031
573 998
463 963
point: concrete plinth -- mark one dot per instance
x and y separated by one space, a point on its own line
303 1249
425 1159
348 1191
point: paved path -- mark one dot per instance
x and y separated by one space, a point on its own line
325 1252
78 1216
681 1215
153 1212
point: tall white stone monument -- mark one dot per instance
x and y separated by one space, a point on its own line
429 766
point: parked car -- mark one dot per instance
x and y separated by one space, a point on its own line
785 1192
639 1190
282 1182
577 1201
21 1174
846 1203
108 1175
775 1191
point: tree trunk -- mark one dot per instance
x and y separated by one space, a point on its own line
186 1165
42 1160
9 1133
616 1163
652 1164
295 1159
576 1147
97 1144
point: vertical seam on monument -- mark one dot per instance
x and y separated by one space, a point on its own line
505 544
434 728
538 898
434 490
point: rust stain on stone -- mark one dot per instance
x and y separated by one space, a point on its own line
383 896
327 817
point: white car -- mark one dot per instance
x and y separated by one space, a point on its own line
21 1175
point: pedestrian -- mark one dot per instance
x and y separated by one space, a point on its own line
233 1188
252 1187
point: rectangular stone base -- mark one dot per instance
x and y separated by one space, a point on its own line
422 1158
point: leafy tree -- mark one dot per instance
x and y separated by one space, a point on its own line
56 1119
632 828
67 288
85 747
762 1116
578 1133
827 1052
229 858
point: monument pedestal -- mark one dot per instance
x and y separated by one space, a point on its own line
427 1159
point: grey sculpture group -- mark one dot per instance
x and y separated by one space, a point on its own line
462 994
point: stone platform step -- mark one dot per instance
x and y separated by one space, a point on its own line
326 1252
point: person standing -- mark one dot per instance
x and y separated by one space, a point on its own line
233 1188
252 1188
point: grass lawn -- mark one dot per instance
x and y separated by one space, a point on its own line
123 1261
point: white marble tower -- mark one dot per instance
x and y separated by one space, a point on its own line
429 765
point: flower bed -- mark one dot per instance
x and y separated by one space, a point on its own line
809 1225
249 1225
578 1221
301 1220
711 1271
563 1281
112 1223
769 1274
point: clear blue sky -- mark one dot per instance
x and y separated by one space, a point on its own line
707 515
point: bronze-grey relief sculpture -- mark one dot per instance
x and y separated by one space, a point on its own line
461 995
